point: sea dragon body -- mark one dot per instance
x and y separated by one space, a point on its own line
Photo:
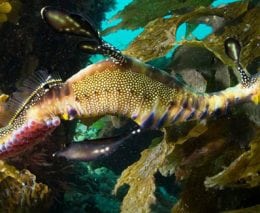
109 88
118 86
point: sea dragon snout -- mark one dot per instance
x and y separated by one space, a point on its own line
118 86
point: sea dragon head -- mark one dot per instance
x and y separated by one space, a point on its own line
19 132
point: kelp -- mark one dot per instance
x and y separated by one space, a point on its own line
252 209
159 34
206 73
174 158
194 79
243 172
140 12
5 8
9 10
245 29
19 191
202 143
140 175
192 152
204 156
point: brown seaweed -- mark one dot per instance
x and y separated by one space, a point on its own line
243 172
19 190
252 209
140 177
245 29
5 8
159 34
150 10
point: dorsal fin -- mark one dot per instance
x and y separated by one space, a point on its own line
30 87
73 24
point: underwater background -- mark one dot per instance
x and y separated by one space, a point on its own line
199 167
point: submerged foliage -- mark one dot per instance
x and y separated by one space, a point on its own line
245 29
140 12
159 35
253 209
141 174
19 191
9 10
5 8
243 172
195 153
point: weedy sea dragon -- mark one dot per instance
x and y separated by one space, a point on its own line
117 86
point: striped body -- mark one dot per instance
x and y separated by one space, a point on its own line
122 86
135 91
150 97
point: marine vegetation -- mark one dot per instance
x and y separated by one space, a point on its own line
192 149
5 8
20 192
9 10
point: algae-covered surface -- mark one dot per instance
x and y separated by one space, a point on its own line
207 166
20 192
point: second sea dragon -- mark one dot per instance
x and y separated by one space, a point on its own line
117 86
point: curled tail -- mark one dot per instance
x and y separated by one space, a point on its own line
68 23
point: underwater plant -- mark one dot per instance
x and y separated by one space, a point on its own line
9 10
5 8
154 99
20 192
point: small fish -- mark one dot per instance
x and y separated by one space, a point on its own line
94 149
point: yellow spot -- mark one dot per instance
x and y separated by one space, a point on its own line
3 98
65 116
256 98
